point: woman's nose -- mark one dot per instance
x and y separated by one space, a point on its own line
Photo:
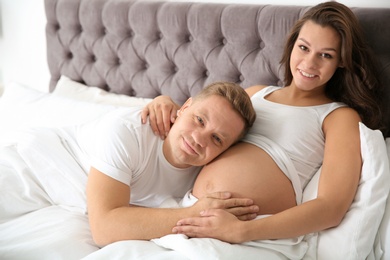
311 61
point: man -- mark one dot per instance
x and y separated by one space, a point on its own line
133 171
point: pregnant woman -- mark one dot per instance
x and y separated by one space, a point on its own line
330 86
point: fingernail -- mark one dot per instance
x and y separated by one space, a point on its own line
166 134
226 194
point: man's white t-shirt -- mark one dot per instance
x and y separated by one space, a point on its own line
120 146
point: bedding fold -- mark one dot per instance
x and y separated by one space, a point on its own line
53 167
21 191
208 248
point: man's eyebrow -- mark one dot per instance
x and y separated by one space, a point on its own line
222 135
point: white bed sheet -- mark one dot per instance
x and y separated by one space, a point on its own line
44 213
179 246
49 171
43 206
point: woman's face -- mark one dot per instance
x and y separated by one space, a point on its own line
315 56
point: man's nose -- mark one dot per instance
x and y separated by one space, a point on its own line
199 137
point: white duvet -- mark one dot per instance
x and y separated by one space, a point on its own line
43 203
43 211
42 214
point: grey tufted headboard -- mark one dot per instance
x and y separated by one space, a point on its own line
147 48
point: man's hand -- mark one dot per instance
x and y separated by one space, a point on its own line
242 208
162 112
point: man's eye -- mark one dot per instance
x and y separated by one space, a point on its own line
200 120
216 138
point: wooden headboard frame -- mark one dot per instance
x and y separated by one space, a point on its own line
147 48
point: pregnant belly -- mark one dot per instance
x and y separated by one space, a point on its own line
247 172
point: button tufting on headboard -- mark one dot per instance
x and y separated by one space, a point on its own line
148 48
151 36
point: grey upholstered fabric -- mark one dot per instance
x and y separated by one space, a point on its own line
148 48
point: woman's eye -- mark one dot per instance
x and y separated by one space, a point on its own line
200 120
326 55
303 47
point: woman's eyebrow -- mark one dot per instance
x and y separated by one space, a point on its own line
325 49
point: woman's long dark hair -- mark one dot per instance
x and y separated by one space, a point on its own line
356 83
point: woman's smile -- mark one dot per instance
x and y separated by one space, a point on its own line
305 74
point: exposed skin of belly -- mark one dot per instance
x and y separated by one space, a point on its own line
247 171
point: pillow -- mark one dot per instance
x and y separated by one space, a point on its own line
1 89
70 103
75 90
384 229
22 107
354 237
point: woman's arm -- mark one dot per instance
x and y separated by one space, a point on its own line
337 188
162 112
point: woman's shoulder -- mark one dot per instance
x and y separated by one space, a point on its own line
342 111
254 89
342 117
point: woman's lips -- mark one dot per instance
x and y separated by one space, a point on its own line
305 74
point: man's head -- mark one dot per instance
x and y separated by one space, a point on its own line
208 124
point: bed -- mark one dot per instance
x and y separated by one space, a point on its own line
106 54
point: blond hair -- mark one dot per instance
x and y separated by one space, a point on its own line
237 97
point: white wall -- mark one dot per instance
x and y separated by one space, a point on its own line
23 44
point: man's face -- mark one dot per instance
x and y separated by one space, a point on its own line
202 130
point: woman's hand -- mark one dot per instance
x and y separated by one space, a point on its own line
162 112
241 208
220 217
212 223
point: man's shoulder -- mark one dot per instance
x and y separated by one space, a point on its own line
117 125
125 113
120 129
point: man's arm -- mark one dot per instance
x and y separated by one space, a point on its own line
113 219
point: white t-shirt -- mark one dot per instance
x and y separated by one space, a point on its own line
296 130
120 146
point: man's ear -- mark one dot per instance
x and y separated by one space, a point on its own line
184 106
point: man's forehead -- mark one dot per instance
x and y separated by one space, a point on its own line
222 119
